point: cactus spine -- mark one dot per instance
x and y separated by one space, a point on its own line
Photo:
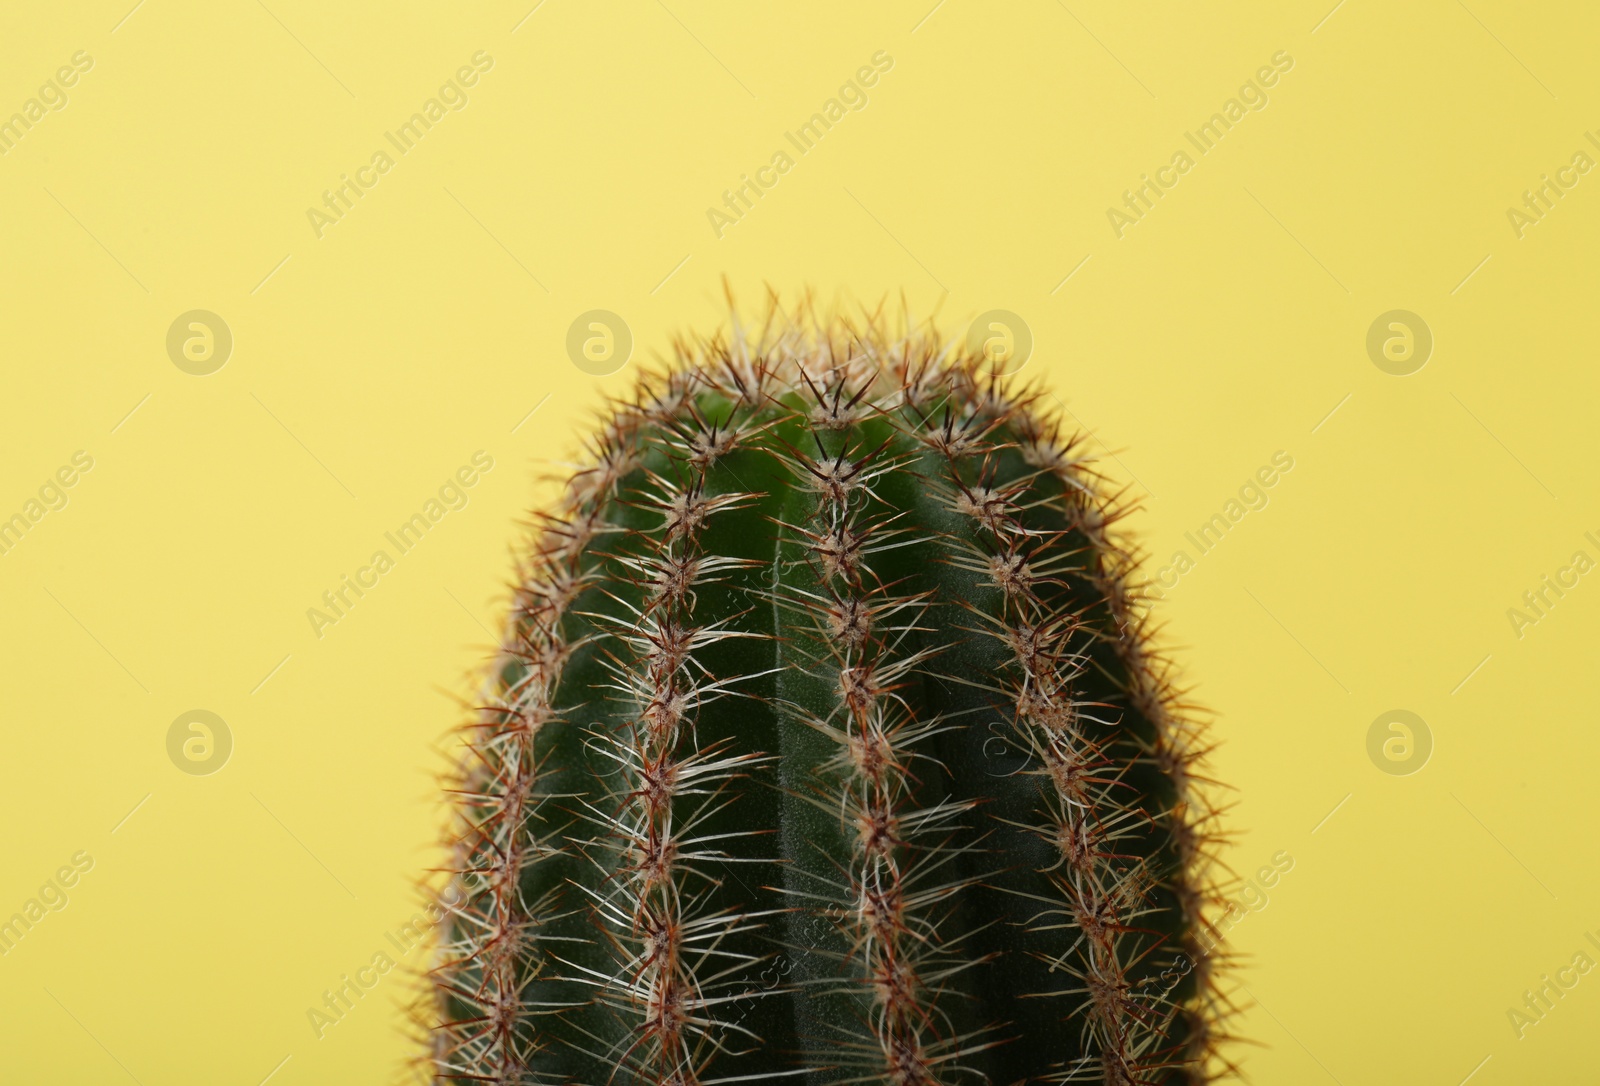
827 745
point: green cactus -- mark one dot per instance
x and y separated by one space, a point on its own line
828 745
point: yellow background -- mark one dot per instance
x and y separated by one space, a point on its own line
370 363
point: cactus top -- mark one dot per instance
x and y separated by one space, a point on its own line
828 745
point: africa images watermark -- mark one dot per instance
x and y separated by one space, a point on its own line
1252 496
52 96
199 342
452 98
52 496
452 496
1138 201
1540 1000
1253 898
807 934
342 998
852 96
52 896
1552 588
1539 201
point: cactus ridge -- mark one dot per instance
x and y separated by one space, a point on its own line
829 744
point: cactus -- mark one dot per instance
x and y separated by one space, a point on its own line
828 744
